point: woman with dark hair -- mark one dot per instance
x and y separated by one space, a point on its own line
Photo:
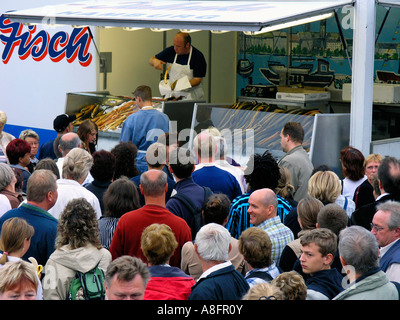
19 155
32 138
88 133
353 170
102 171
125 155
78 248
48 164
121 197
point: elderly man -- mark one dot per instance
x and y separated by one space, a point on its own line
359 254
126 279
385 227
207 173
220 280
41 196
263 205
127 235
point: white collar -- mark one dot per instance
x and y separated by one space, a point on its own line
384 249
380 196
215 268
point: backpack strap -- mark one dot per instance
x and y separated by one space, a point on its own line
345 203
186 201
260 274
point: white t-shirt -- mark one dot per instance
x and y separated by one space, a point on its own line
69 190
350 186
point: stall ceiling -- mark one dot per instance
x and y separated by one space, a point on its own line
388 3
199 15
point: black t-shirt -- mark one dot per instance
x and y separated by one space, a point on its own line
197 62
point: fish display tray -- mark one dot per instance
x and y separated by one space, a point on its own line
303 96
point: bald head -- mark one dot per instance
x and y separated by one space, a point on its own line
204 146
68 142
153 183
263 205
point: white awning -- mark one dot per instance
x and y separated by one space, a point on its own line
389 3
200 15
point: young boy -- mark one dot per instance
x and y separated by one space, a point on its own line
318 247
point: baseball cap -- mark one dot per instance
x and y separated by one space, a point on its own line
62 121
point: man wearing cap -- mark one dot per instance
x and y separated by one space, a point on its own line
62 124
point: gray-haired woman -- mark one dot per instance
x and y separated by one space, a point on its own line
7 185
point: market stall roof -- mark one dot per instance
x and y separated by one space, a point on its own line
389 3
199 15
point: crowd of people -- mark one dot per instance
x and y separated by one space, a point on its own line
193 224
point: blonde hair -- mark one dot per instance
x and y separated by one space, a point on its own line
324 186
28 133
13 234
264 291
307 211
16 272
78 226
292 285
77 164
158 243
376 157
284 188
3 117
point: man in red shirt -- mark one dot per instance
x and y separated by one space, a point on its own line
127 235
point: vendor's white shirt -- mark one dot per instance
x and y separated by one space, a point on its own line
393 272
69 190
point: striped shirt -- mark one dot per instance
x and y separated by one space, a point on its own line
107 227
239 218
272 270
279 234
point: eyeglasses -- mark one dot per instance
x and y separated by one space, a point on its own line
373 226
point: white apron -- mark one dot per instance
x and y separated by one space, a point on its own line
184 74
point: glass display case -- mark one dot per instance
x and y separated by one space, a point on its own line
250 127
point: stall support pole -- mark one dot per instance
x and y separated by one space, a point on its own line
362 75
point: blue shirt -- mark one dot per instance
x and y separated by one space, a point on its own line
143 128
47 150
45 225
188 188
218 180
